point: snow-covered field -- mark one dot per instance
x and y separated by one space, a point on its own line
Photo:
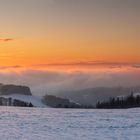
68 124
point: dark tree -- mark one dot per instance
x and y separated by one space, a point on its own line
124 102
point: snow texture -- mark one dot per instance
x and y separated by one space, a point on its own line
68 124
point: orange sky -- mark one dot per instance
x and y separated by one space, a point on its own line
48 31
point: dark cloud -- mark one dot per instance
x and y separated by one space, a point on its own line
6 39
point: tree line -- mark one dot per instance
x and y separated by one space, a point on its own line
120 102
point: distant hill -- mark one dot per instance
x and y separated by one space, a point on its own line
17 95
14 89
92 95
58 102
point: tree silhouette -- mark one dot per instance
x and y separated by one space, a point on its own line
123 102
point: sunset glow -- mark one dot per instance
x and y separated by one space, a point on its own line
57 45
50 32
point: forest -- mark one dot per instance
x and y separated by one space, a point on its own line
130 101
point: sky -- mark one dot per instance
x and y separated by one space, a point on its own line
85 36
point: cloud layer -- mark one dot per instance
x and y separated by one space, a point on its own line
42 82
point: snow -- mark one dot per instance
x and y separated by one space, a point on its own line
68 124
35 100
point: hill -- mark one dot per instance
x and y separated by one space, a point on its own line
14 89
91 96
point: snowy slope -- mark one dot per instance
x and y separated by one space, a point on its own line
35 100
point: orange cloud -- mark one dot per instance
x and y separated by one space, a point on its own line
94 63
10 67
6 39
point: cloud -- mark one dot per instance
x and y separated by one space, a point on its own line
10 67
6 39
53 82
93 63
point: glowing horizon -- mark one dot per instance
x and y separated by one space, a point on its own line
61 32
